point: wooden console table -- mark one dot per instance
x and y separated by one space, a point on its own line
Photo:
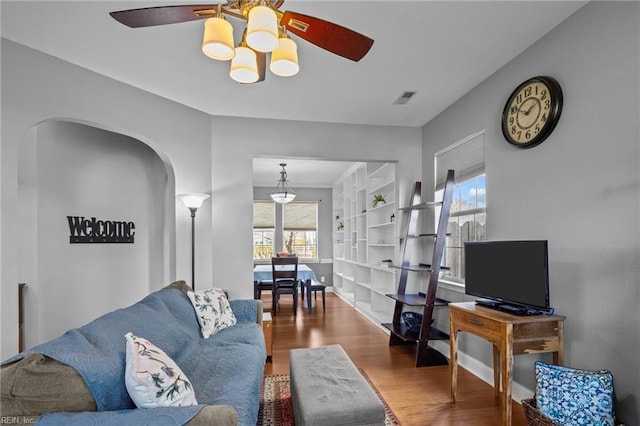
510 335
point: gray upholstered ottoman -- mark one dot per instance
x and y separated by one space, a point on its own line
328 390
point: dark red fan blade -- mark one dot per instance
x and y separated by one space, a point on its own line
161 15
327 35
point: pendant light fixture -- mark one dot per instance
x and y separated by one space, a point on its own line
217 42
244 65
262 28
281 193
284 60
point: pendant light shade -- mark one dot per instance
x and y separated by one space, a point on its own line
284 60
262 29
218 39
244 66
281 193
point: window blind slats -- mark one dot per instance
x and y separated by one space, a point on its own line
301 216
263 215
465 157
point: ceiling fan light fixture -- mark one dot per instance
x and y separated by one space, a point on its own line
262 29
244 66
284 60
282 194
218 39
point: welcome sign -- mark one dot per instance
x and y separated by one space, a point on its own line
83 230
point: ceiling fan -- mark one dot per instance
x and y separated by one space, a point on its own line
266 31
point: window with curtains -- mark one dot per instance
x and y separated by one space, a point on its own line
300 229
264 228
468 216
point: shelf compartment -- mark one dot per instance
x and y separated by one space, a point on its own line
403 333
416 299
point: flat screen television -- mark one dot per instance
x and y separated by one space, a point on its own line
512 276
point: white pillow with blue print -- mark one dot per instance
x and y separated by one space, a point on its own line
570 396
152 378
213 310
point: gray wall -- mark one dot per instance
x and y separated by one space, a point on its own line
579 189
200 153
71 169
322 267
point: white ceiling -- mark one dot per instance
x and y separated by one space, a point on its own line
439 49
301 173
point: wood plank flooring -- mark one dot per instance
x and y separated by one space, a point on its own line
418 396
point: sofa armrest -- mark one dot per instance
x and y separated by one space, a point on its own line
247 310
217 415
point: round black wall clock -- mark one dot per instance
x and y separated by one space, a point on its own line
532 111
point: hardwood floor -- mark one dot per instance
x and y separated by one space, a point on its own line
418 396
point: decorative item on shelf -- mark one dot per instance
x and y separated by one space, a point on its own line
378 198
338 217
413 321
385 263
340 226
392 218
364 211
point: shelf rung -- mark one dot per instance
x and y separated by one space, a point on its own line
403 332
414 268
422 206
417 299
424 235
427 266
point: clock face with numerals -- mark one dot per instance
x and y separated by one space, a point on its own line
532 111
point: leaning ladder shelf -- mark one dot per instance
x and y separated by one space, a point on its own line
400 333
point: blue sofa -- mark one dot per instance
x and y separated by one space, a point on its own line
226 370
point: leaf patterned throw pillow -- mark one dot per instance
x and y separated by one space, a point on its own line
574 397
213 310
152 378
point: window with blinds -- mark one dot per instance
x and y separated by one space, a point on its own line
300 229
263 229
468 216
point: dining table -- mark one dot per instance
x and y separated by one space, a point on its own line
306 275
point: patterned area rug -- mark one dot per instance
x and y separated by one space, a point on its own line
275 402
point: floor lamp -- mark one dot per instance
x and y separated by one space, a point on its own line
193 202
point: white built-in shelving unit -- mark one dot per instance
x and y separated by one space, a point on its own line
364 236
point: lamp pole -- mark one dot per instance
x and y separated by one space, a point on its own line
193 248
193 201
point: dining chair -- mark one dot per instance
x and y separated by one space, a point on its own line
313 286
260 286
285 281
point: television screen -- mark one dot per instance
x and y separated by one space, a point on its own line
512 272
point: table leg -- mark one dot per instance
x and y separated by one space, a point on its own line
453 360
496 370
506 361
558 356
308 285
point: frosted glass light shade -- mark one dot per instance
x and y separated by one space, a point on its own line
282 197
284 60
244 66
193 200
262 29
218 39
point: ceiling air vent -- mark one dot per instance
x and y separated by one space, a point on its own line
404 97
